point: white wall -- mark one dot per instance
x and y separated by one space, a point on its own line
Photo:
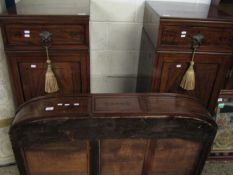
115 32
54 6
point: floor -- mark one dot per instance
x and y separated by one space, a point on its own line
10 170
218 168
211 168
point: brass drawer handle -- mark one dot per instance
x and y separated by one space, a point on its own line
46 38
198 40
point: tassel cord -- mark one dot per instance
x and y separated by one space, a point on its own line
188 80
192 60
194 52
51 84
47 56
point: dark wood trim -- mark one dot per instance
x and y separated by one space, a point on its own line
39 19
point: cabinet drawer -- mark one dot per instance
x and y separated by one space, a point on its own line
180 37
28 36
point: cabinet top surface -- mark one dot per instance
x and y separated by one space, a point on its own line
185 10
113 106
52 7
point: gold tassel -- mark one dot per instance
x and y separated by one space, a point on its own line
188 80
51 84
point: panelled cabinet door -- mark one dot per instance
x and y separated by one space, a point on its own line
58 158
209 70
33 77
70 70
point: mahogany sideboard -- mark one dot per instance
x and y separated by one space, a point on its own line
166 50
112 134
69 50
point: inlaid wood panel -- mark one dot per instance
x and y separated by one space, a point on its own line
58 159
208 75
172 156
28 73
122 157
215 37
104 104
33 79
29 35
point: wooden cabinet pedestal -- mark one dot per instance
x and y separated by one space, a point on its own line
166 50
68 50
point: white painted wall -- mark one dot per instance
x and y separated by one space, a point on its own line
115 33
54 6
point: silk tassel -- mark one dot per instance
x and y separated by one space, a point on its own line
51 84
188 80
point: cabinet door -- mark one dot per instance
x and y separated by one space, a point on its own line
209 70
71 71
33 77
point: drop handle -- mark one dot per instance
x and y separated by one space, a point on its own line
197 40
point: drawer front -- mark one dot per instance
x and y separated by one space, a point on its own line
63 36
180 36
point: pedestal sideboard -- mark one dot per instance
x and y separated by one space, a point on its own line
166 49
69 49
